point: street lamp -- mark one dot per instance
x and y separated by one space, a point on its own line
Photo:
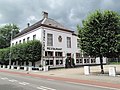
11 35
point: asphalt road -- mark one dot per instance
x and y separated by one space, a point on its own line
18 82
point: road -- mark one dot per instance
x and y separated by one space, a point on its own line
17 82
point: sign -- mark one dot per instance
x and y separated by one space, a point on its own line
52 48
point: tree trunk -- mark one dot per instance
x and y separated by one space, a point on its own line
101 63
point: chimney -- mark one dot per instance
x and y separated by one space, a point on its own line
28 24
45 14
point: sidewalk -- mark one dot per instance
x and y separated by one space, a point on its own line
76 75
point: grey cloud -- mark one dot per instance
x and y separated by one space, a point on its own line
68 12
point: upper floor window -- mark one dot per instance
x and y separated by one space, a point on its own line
19 41
78 43
68 42
28 38
12 44
23 40
34 37
16 43
49 39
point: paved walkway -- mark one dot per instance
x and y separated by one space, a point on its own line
76 75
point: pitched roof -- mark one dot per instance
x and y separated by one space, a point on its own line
46 22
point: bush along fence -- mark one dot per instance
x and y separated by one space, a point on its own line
21 53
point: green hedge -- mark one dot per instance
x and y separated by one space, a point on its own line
25 52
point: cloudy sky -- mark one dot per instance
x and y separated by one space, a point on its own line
68 12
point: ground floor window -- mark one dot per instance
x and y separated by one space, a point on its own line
93 61
85 60
49 62
59 62
79 61
58 54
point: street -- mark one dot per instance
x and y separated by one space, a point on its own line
18 82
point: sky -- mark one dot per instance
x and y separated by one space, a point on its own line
70 13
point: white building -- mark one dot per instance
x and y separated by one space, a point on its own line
58 43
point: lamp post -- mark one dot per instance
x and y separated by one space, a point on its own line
11 34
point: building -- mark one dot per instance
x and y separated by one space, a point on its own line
59 44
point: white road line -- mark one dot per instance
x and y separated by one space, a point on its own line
4 78
47 88
41 88
23 83
12 80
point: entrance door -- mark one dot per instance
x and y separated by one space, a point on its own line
68 60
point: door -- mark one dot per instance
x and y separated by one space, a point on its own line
68 60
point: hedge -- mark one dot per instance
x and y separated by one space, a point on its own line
25 52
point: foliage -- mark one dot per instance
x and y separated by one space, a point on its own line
30 51
5 34
99 35
4 55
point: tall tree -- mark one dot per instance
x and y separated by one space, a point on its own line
99 35
5 34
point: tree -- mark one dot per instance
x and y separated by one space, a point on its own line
99 35
5 34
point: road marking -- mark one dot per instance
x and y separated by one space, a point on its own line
12 80
24 83
4 78
45 88
41 88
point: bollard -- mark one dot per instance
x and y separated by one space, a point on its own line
18 67
3 66
45 68
8 66
29 68
112 71
25 68
12 67
86 70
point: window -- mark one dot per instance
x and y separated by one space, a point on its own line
48 53
78 55
57 62
85 60
78 43
23 40
49 40
28 38
58 54
34 37
12 44
68 42
49 62
92 60
16 43
19 41
78 60
61 62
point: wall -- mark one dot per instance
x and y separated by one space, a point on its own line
29 34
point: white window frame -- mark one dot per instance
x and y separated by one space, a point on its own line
68 42
49 39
